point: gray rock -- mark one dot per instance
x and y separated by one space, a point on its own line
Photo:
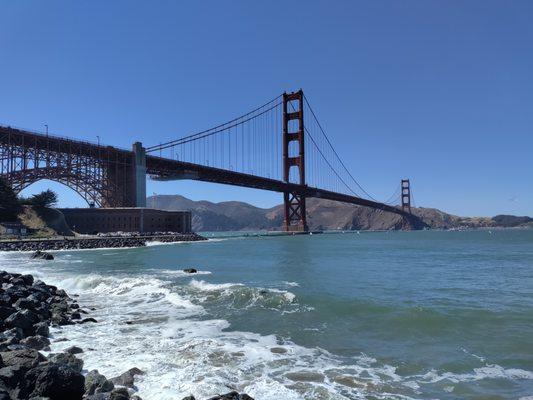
12 375
24 319
97 383
41 329
67 359
11 336
26 358
85 320
28 279
120 394
74 350
41 255
57 382
36 342
60 319
26 304
127 378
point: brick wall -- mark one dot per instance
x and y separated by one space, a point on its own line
102 220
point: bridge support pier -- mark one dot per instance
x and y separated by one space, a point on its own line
294 158
139 171
295 214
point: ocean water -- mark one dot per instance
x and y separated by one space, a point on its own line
399 315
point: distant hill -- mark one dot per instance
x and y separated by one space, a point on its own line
225 216
322 215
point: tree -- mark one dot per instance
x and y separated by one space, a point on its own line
9 204
48 198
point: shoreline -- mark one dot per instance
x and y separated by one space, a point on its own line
29 308
28 369
79 243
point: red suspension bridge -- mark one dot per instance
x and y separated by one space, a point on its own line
280 146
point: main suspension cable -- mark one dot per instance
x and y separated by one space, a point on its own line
178 141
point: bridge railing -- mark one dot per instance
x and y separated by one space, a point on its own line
45 135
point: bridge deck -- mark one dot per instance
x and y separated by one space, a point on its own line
166 169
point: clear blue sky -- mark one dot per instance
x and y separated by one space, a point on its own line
437 91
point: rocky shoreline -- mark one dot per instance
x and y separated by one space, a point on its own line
28 307
94 242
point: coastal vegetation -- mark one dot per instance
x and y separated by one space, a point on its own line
11 205
34 214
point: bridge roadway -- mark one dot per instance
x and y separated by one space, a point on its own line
164 169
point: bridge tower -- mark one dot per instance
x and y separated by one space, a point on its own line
294 158
406 195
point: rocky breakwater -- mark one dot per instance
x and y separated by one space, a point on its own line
28 308
93 242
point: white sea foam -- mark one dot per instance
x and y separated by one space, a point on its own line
288 295
211 287
489 371
290 284
240 296
179 272
160 243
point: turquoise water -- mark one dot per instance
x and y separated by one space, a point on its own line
420 315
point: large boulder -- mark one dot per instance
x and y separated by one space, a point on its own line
25 358
42 329
27 304
36 342
97 383
67 359
28 279
11 376
16 292
41 255
23 319
56 381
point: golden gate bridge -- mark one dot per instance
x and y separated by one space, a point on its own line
279 146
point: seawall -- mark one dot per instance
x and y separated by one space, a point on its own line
93 242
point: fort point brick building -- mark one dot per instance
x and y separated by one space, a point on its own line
126 219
